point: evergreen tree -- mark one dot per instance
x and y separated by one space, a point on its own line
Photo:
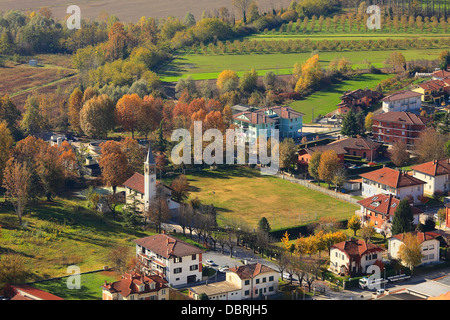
350 125
264 225
161 143
403 218
132 216
189 20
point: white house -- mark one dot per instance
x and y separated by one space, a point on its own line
428 241
354 256
222 290
176 261
390 181
435 173
405 100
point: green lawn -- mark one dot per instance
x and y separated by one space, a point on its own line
201 67
242 194
325 101
90 286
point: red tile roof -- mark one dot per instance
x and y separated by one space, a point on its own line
441 74
26 292
251 270
401 117
356 247
130 282
385 204
137 183
254 117
400 95
168 246
392 178
434 168
422 236
432 85
357 143
337 148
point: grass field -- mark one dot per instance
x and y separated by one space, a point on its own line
325 101
201 67
62 233
242 194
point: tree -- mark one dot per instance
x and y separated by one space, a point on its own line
227 80
242 6
340 178
97 116
6 142
16 182
13 269
354 224
132 215
367 231
189 20
397 60
75 106
399 153
114 164
264 225
269 80
288 154
248 81
311 74
369 122
328 166
350 126
119 258
431 145
127 112
158 209
180 188
32 122
410 251
403 218
11 114
313 166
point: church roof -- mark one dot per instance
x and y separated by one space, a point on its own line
150 158
137 183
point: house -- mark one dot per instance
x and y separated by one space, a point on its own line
427 240
304 155
178 262
435 173
27 292
404 100
358 100
288 121
222 290
143 187
431 91
254 280
354 256
440 75
447 215
380 210
390 181
398 126
360 147
135 286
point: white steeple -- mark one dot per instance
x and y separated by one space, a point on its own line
149 178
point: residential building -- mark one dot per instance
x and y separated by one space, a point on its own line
255 280
285 119
440 75
178 262
405 100
447 215
359 147
398 126
380 210
354 256
428 241
143 187
435 173
431 91
390 181
222 290
27 292
135 286
304 155
358 100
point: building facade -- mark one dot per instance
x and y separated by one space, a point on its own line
402 101
435 173
428 241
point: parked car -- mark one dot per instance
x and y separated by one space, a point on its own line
223 268
211 263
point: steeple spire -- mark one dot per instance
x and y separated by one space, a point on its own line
150 159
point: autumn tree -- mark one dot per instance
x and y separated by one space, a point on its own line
75 106
114 164
397 60
313 166
16 183
119 258
367 231
127 112
410 251
354 223
369 122
242 6
288 154
248 81
97 116
11 114
311 74
6 142
227 80
32 121
180 188
158 209
328 166
431 145
399 153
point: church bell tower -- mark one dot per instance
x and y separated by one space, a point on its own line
149 178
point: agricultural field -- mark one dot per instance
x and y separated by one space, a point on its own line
325 101
202 67
242 194
53 72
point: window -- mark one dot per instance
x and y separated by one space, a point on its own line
246 293
177 260
246 282
431 257
177 270
264 280
271 289
257 281
431 247
193 267
271 278
425 248
194 257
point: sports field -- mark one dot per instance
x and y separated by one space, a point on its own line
242 194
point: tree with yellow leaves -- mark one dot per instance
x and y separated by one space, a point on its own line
227 80
311 74
285 241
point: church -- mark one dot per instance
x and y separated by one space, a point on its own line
143 187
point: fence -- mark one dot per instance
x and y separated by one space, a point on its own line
309 185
